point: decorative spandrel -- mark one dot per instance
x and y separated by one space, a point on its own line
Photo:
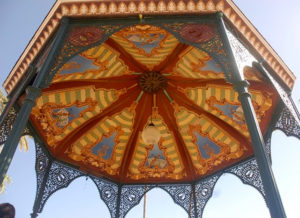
181 194
242 56
203 192
108 192
288 123
249 174
131 196
58 177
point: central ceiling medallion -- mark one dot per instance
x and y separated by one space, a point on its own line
152 82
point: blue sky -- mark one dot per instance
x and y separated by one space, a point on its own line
277 20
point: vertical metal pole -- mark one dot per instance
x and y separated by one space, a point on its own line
195 202
119 201
241 86
145 203
33 92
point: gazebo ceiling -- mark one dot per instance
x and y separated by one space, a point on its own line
93 113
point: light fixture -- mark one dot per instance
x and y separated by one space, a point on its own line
151 134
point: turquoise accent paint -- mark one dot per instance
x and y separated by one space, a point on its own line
204 141
105 147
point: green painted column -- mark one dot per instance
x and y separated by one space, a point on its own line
241 86
32 93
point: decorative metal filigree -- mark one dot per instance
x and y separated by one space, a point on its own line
7 124
290 113
268 148
288 124
241 54
131 196
181 194
60 177
203 192
51 177
108 192
249 174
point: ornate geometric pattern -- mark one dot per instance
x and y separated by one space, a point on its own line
84 36
197 33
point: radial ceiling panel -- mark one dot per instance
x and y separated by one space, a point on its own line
93 114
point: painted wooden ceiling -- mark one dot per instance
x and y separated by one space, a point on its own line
95 109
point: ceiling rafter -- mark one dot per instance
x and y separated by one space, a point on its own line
139 122
114 108
165 108
126 57
183 101
118 82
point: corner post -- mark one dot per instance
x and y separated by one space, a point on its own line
241 86
32 93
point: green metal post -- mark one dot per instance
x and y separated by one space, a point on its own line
33 92
241 86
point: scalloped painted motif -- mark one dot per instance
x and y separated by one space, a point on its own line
222 101
208 145
195 63
157 161
59 113
147 44
103 146
98 62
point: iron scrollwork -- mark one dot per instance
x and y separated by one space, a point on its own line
249 174
182 196
108 192
131 196
288 123
203 192
51 177
7 124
